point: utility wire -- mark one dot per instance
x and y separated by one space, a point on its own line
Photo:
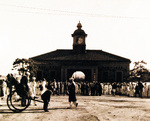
67 13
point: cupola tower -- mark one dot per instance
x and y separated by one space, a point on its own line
79 44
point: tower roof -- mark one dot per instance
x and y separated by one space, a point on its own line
79 26
79 31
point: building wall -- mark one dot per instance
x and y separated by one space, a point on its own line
94 71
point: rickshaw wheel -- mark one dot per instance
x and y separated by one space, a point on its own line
17 103
10 106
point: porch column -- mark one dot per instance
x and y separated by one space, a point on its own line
62 74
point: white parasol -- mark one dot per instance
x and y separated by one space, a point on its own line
78 75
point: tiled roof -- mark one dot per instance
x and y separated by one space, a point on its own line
89 55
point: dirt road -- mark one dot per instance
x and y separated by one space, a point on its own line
91 108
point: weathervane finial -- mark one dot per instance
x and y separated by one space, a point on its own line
79 26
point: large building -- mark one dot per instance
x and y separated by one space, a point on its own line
97 65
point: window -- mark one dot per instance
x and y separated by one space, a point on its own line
39 75
105 76
119 77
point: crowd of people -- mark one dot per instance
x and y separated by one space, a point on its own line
30 88
95 88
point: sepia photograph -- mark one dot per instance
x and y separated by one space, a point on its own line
74 60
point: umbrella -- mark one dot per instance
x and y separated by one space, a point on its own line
78 75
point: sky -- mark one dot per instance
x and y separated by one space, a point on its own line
32 27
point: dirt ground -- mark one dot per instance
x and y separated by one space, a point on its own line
91 108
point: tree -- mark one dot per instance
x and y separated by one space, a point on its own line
24 66
139 72
32 68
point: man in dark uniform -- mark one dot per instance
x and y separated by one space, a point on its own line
9 82
93 89
46 97
82 88
72 93
24 83
99 88
1 90
114 87
140 85
87 89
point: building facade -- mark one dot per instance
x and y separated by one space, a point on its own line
97 65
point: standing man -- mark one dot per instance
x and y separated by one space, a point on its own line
1 91
140 88
46 97
99 89
72 89
55 87
24 82
43 88
33 85
32 89
114 87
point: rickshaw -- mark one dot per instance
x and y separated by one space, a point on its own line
18 100
18 103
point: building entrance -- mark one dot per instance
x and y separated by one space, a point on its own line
87 73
